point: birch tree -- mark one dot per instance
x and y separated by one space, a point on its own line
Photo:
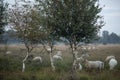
75 20
25 21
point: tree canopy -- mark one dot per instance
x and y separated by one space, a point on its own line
75 20
25 21
3 15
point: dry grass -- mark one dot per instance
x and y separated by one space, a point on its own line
43 71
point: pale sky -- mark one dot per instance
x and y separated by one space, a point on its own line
111 13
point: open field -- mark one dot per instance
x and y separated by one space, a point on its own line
11 64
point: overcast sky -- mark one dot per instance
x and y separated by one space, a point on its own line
111 13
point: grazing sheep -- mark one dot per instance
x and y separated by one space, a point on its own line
76 63
8 52
109 57
57 57
93 48
89 47
84 48
83 56
37 58
80 59
49 49
94 64
112 62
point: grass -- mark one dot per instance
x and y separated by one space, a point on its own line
11 65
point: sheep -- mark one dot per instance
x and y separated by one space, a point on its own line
89 47
109 57
93 48
84 48
112 62
83 56
37 58
76 62
57 57
49 49
8 52
94 64
80 59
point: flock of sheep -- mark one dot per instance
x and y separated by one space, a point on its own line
97 64
112 62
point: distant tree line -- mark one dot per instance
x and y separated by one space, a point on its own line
7 38
111 38
106 38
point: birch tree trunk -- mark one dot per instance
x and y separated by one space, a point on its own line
75 56
24 60
52 61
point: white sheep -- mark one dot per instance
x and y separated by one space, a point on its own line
8 52
109 57
93 48
85 55
76 62
112 62
77 65
84 48
37 58
57 57
89 48
49 49
82 57
94 64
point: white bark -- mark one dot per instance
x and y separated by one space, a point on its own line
75 59
23 66
52 62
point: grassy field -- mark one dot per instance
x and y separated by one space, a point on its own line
11 64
